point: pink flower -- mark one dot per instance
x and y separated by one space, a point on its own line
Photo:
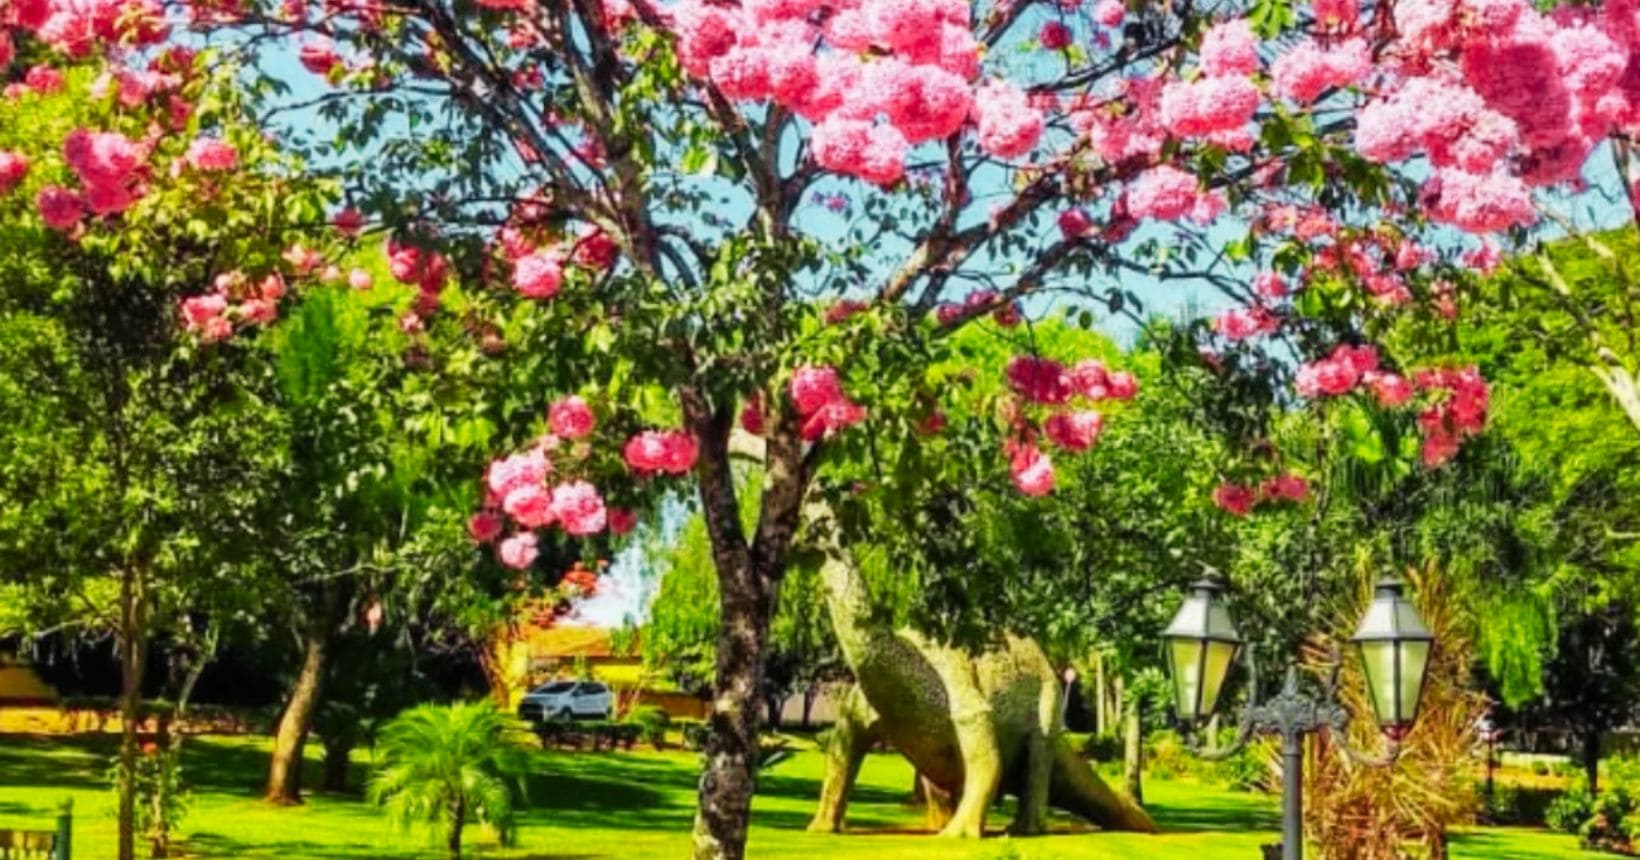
1122 385
1054 36
519 551
1390 389
348 222
211 155
102 158
1032 470
1091 379
1234 498
60 208
529 468
1243 323
1336 13
622 521
43 79
836 415
419 267
1039 380
814 387
1074 431
13 167
199 310
1074 222
1479 203
1009 126
875 153
669 451
570 418
530 505
1285 487
751 415
484 527
1165 193
319 56
538 275
1269 286
359 279
1308 70
595 249
1229 48
579 508
1109 13
1208 106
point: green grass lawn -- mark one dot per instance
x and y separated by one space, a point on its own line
634 805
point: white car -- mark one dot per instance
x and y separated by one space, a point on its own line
562 700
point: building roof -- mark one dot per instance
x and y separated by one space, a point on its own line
570 642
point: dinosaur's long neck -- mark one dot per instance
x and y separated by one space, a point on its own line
850 607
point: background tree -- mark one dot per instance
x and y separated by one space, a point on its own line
130 268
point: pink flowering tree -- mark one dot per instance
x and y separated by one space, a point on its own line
149 233
772 213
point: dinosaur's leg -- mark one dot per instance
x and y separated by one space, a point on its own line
1032 816
851 738
974 720
938 804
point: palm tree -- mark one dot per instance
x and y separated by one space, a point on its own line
445 764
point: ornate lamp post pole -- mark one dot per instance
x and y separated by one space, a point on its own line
1394 645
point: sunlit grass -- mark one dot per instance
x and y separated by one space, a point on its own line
633 805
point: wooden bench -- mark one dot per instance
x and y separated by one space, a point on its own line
41 844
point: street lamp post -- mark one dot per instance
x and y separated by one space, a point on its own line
1394 645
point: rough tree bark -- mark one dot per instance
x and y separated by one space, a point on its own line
1591 760
749 576
285 765
133 645
1133 751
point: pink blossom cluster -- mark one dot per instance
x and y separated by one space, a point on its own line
78 28
1240 499
571 418
1307 71
1167 193
821 403
808 56
111 169
672 452
1046 382
1338 373
1219 105
1127 126
1502 98
13 167
1243 323
518 487
1006 314
538 266
1457 416
234 299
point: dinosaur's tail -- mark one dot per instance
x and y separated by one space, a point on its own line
1075 788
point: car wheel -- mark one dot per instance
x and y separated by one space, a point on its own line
563 714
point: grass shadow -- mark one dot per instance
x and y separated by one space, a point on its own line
1172 818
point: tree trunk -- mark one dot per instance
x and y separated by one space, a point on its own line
809 694
775 705
1591 760
1101 714
336 761
458 815
727 784
1133 752
285 766
133 644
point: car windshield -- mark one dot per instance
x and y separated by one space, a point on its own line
590 689
555 687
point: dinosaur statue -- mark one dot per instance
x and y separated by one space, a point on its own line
973 726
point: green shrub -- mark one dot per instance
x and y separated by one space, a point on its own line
1540 767
1569 811
652 722
1167 757
1609 822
